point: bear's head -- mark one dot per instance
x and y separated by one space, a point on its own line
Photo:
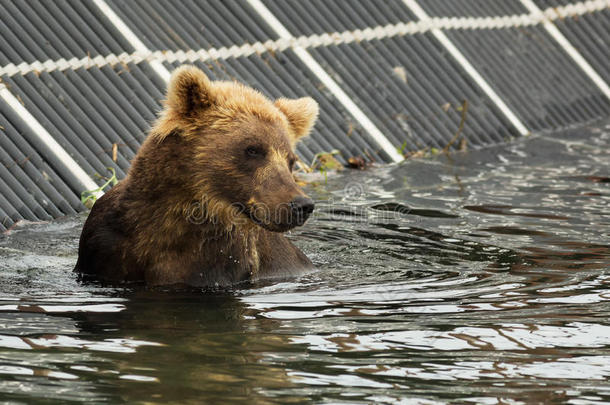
241 149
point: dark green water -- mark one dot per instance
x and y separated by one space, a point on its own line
479 278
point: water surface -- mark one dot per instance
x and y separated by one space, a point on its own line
482 277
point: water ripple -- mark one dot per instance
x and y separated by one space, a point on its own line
479 277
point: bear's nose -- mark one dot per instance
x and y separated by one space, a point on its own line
302 207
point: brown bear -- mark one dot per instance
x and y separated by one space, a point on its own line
208 195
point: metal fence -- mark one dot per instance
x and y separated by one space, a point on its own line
81 81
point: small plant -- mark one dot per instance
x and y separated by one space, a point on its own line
402 148
325 161
89 197
431 151
463 109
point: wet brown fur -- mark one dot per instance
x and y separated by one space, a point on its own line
198 207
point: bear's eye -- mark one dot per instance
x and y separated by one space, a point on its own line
255 151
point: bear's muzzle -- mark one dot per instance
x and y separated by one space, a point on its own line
301 209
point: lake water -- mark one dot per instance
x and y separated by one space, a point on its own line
482 277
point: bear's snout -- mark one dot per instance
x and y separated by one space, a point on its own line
301 208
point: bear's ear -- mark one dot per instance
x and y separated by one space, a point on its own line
188 91
301 113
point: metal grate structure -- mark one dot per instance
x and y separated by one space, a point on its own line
81 80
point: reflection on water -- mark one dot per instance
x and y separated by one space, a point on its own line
480 277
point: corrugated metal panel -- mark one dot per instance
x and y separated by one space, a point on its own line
397 81
86 110
39 30
61 101
590 35
472 8
29 188
339 15
534 75
552 3
174 25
